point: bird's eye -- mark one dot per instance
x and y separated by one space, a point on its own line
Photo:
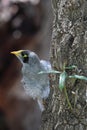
25 57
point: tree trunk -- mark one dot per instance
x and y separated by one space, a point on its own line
69 43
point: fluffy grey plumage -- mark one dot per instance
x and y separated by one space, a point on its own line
36 85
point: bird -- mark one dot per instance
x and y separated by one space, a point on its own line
36 85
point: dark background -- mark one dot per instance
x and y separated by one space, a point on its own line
23 25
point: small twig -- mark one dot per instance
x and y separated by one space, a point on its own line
69 104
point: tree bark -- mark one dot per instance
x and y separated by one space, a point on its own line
69 43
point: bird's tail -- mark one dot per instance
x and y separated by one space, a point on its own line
40 103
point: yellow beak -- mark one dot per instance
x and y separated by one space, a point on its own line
17 53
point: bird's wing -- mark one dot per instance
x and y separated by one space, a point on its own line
46 65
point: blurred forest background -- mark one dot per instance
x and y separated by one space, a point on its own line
55 30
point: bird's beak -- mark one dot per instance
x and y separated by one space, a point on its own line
17 53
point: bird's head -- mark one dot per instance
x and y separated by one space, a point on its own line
22 55
27 57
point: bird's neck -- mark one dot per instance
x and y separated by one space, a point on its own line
30 69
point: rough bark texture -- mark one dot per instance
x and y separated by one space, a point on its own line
69 43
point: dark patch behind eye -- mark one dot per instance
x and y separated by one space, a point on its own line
25 56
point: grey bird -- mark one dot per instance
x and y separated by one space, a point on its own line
35 84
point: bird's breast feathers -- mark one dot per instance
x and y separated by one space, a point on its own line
36 87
